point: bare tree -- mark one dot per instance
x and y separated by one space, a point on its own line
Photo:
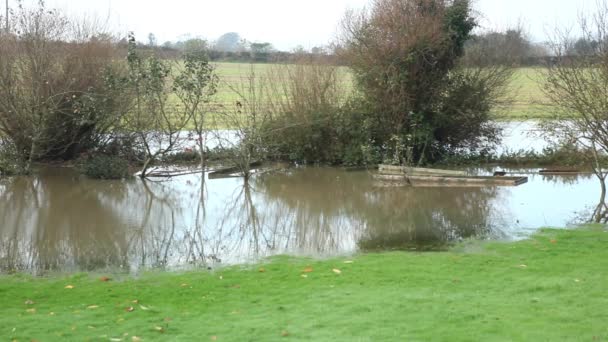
246 116
56 100
156 121
578 86
195 86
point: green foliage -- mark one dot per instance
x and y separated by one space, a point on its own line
548 288
105 167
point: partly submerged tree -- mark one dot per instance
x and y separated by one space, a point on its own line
405 57
577 84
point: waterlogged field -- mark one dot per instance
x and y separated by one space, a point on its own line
525 89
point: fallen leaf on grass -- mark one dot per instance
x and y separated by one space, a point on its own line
213 338
32 311
160 329
105 279
129 309
167 319
136 339
337 271
262 270
522 266
90 307
114 339
308 270
69 287
284 333
184 285
135 301
29 302
145 308
554 241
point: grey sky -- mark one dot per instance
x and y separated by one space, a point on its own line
288 23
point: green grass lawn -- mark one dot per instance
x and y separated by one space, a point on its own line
552 287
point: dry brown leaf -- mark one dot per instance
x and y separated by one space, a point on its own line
136 339
167 319
213 338
129 309
262 270
554 241
284 333
105 279
159 329
308 270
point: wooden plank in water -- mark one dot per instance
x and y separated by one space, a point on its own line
396 170
456 181
438 172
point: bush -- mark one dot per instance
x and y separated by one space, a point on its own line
406 60
105 167
58 85
10 162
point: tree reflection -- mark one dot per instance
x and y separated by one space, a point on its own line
63 222
381 218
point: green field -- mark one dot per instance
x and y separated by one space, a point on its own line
529 102
551 287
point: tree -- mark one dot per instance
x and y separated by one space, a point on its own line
195 86
510 47
157 124
152 41
421 104
260 52
194 46
228 42
578 86
57 80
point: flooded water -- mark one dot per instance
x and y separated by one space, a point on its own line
59 221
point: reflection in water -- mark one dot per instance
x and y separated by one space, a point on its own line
58 221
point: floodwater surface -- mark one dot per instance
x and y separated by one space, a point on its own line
59 221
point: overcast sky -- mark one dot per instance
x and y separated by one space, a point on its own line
289 23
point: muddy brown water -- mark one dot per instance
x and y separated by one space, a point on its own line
58 221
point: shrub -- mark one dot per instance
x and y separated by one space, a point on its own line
56 81
105 167
10 162
422 104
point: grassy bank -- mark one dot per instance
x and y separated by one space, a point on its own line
549 288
